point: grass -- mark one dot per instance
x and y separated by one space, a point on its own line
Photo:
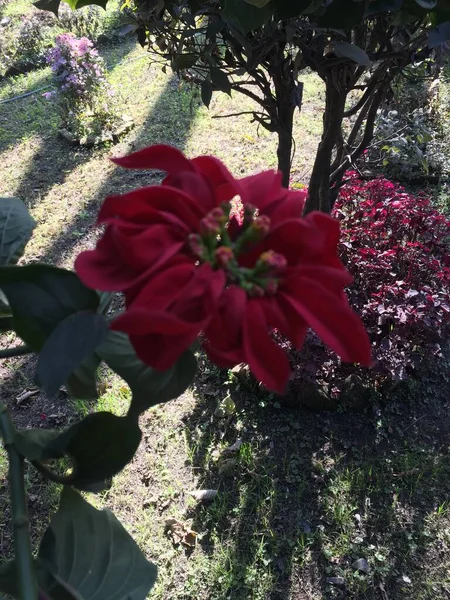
305 495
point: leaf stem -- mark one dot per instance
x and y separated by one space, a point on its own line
17 351
22 543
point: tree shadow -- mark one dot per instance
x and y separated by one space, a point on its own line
169 122
309 494
34 120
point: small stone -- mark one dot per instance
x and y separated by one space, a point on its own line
361 565
337 581
406 579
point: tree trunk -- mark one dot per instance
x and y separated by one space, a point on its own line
319 185
284 149
288 95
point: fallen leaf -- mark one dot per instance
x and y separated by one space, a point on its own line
181 533
26 395
234 447
204 495
226 408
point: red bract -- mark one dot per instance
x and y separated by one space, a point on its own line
234 259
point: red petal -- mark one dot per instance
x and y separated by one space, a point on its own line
102 268
329 227
149 249
224 331
295 239
160 157
296 279
196 186
164 288
265 358
263 188
140 321
224 184
290 207
153 203
161 351
339 327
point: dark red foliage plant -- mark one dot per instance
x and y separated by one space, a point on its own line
396 246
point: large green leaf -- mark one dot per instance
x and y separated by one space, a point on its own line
50 5
351 51
148 386
287 9
73 340
8 579
16 227
184 61
206 92
82 383
100 445
343 14
245 16
88 553
439 35
220 80
41 297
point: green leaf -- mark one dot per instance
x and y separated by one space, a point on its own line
16 227
220 80
42 296
427 4
380 6
353 52
36 444
184 61
258 3
244 16
148 386
343 14
74 4
6 324
73 340
439 35
287 9
100 445
91 555
82 383
50 5
8 579
206 92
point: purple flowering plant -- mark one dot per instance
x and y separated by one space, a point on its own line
84 96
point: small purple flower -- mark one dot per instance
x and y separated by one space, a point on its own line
48 95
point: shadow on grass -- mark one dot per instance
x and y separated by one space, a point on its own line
53 159
169 122
309 494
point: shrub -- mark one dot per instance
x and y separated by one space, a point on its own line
83 94
24 43
396 245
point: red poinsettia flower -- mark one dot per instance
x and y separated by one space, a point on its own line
234 259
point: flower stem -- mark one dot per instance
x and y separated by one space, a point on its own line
17 351
24 558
